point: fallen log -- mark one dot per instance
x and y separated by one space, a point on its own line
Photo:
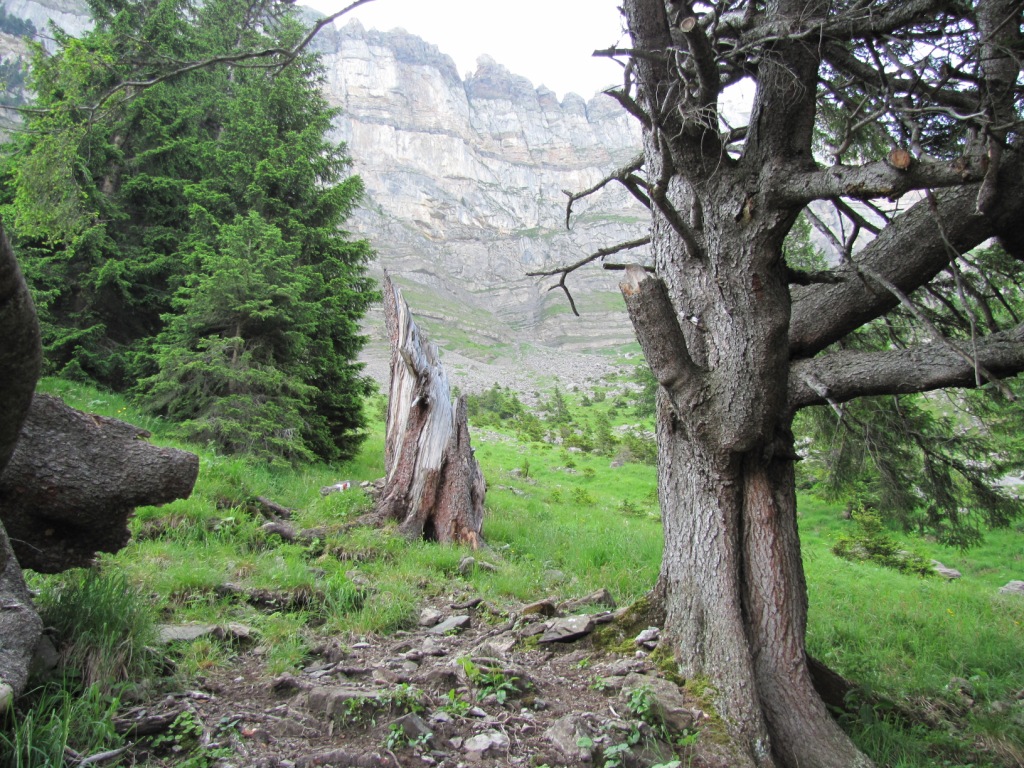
74 480
434 486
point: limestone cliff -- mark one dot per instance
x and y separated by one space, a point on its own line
464 181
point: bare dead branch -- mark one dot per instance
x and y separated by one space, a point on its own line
624 175
282 57
565 271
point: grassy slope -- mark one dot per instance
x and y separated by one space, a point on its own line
917 647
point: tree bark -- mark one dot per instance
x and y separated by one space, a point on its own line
434 485
21 354
20 362
74 481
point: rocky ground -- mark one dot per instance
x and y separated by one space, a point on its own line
556 685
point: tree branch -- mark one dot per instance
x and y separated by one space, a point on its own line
845 375
624 175
877 179
909 252
284 55
599 254
661 338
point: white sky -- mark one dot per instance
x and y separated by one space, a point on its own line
547 41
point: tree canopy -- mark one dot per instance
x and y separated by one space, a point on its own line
180 225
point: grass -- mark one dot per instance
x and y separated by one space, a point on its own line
937 664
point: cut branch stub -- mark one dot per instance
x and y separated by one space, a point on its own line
74 480
434 487
657 329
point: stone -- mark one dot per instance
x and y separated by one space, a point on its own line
439 679
488 740
1012 588
545 607
6 697
567 629
414 727
330 700
430 617
171 633
288 684
648 638
466 565
666 700
451 624
946 572
565 735
600 597
46 658
496 646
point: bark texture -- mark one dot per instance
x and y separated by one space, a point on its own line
434 485
20 362
20 625
20 353
74 480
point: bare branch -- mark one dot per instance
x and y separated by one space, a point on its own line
282 57
845 375
624 175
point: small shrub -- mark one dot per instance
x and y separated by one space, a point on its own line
872 543
582 497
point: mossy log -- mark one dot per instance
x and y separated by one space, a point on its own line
434 487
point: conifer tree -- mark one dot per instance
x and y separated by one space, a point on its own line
181 229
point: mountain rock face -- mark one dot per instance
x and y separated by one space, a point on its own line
465 183
464 180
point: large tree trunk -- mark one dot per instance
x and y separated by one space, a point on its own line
434 485
20 362
732 577
74 481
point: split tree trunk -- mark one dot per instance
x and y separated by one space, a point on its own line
75 479
434 486
731 576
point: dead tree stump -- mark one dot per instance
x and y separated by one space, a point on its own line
434 486
74 480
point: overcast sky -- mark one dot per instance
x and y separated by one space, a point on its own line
547 41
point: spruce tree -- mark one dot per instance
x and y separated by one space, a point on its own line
184 238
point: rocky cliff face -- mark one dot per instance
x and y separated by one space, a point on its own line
464 188
465 183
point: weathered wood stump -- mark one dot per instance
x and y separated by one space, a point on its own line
434 486
75 479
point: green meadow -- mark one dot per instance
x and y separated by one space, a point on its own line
938 666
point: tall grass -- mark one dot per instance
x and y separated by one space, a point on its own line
104 626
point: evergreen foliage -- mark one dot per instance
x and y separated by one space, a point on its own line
929 462
182 239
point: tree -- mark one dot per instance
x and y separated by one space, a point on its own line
155 144
740 341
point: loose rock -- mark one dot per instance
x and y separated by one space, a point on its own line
567 629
